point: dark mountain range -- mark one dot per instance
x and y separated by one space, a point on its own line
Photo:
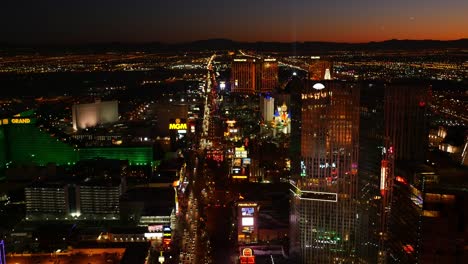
226 44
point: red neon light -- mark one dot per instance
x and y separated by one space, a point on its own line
384 163
401 179
408 249
247 260
422 103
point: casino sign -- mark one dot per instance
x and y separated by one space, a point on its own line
177 125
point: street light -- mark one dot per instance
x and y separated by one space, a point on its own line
161 258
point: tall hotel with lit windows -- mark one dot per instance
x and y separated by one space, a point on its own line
249 76
243 76
266 75
323 209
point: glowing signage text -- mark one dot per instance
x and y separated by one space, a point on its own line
20 120
182 126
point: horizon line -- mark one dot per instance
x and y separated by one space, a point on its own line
212 39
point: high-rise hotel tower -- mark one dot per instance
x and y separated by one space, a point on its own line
323 208
250 76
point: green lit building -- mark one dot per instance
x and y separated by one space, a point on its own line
135 155
22 142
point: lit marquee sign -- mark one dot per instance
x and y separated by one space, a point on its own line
177 125
17 121
20 120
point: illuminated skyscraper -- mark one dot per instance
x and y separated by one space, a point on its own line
243 76
266 75
254 75
323 210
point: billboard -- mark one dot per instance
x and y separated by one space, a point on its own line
240 152
247 221
155 228
247 211
178 125
237 162
247 229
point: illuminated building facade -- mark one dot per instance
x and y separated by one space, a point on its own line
167 114
139 156
323 211
178 129
243 76
250 76
97 113
22 142
247 226
240 168
100 200
320 69
267 104
266 75
63 201
47 201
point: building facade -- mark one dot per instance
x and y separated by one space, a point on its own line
243 76
393 134
249 76
93 114
67 201
323 210
266 75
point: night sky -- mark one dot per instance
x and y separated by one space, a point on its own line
84 21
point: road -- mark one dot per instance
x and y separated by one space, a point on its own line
219 226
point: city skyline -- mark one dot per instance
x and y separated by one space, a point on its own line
185 21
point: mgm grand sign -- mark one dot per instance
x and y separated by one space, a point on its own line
178 124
